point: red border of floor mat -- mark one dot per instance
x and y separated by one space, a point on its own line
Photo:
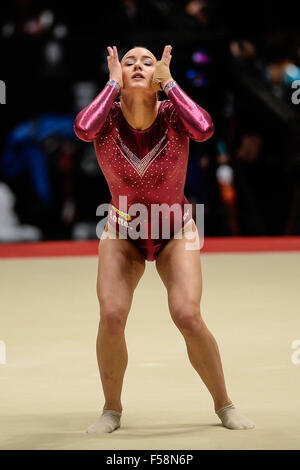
90 247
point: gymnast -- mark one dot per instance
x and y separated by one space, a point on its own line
142 148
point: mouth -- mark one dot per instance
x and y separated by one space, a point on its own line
137 76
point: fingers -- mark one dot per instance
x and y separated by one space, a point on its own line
113 52
166 55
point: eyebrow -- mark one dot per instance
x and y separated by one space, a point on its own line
134 57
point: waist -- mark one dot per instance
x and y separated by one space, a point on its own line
159 219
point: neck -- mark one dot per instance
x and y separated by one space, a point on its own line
139 110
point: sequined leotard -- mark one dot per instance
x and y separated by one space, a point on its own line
147 166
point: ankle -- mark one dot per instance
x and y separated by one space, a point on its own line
113 406
221 404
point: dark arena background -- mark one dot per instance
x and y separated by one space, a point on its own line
241 62
237 59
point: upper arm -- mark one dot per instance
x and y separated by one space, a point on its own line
173 120
89 133
187 118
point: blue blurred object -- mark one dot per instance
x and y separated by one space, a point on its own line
221 146
191 73
291 73
24 153
197 78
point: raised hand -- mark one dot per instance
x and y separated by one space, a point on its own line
166 55
162 72
114 66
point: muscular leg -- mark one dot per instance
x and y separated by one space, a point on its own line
120 267
180 271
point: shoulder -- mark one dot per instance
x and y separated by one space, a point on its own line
114 112
111 119
165 105
115 109
168 109
171 116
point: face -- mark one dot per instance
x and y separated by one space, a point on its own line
138 61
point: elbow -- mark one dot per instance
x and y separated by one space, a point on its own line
206 132
209 131
82 132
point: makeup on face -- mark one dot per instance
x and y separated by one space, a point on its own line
138 73
147 60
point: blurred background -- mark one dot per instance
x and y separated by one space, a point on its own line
239 60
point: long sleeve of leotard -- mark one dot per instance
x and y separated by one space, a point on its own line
194 120
90 120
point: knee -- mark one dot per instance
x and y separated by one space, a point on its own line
113 319
188 319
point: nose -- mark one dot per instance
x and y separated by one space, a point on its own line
137 65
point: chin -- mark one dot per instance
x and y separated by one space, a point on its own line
138 83
138 86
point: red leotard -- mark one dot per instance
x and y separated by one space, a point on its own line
148 166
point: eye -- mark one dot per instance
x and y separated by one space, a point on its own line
131 63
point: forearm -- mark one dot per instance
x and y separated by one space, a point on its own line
195 119
90 120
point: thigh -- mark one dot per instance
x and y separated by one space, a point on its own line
180 269
120 267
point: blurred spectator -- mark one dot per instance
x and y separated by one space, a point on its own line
201 10
237 60
226 184
249 183
244 52
281 63
27 167
10 228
